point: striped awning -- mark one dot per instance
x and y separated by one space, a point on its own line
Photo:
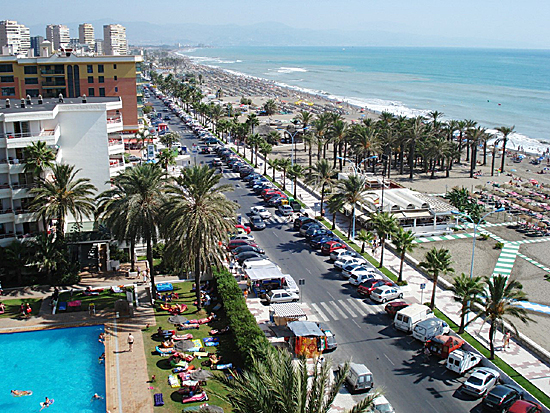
288 310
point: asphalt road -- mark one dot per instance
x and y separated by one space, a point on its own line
363 330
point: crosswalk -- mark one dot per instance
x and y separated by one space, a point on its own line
344 309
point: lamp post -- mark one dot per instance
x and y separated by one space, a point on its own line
292 135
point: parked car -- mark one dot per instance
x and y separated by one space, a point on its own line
501 397
331 246
381 405
245 228
246 255
367 287
360 277
261 212
281 296
277 200
244 172
305 227
341 253
385 293
480 382
331 338
318 241
236 243
285 210
217 162
348 268
251 177
257 223
245 248
314 231
359 378
298 222
525 406
429 328
346 260
394 307
245 237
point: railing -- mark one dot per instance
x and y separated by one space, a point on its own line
51 72
114 120
6 211
19 211
59 84
115 142
8 235
116 164
43 132
22 186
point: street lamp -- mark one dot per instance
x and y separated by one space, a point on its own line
292 135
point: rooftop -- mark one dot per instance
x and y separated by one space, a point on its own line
49 104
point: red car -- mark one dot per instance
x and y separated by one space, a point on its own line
267 190
368 286
239 243
271 194
394 307
525 406
330 246
243 227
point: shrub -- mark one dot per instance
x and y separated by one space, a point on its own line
402 283
483 237
499 245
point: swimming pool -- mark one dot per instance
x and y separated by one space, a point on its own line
61 364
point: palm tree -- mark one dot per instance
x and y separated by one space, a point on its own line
305 118
466 291
273 137
274 164
169 139
254 140
321 175
38 158
284 164
216 112
296 172
385 224
505 132
351 191
364 236
47 254
475 135
15 257
252 121
198 218
265 150
310 140
167 157
61 195
142 189
338 132
275 383
404 242
334 206
270 107
435 262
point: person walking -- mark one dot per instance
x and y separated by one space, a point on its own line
506 341
130 342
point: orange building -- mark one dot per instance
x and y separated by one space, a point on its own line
75 76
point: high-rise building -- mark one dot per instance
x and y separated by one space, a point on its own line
86 35
99 49
85 133
15 38
114 38
74 76
58 34
36 41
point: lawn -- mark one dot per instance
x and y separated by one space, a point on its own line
12 307
105 299
158 365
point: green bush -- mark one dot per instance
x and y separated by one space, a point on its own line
483 237
249 338
499 245
118 254
402 283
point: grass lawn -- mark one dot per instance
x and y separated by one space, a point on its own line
158 365
104 300
12 307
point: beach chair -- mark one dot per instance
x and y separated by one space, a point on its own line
159 400
62 306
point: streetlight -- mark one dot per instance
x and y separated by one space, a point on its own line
292 135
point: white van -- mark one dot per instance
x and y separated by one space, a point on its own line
461 361
429 328
291 285
408 317
359 378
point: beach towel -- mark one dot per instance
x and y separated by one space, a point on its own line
173 381
179 370
212 344
188 326
200 354
62 306
211 340
197 342
187 336
224 366
194 349
116 289
159 400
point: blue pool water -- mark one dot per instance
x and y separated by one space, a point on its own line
61 364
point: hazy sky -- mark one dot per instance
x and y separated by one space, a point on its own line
520 22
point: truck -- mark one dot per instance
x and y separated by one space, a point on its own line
460 361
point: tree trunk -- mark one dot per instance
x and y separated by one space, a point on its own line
198 281
493 160
265 165
333 220
132 255
400 279
462 319
284 179
485 153
310 154
491 340
432 302
295 187
382 245
503 154
322 198
151 269
473 161
335 153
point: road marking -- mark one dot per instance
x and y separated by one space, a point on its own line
338 309
354 304
389 359
319 312
348 309
367 307
307 269
328 310
274 233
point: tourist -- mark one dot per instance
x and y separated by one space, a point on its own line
19 393
130 341
2 308
506 341
22 310
97 397
101 338
28 309
101 358
153 379
46 403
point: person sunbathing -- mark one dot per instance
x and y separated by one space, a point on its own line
2 308
19 393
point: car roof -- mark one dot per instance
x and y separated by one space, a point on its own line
502 390
484 371
385 287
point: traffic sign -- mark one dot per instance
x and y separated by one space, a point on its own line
301 281
423 286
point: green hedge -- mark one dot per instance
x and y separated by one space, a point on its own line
249 338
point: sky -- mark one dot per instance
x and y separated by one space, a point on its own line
522 23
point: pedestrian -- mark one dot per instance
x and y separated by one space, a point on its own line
130 341
506 341
426 352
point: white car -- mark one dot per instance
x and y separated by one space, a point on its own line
281 296
385 293
480 381
261 212
348 269
242 236
341 253
346 260
361 276
285 210
382 405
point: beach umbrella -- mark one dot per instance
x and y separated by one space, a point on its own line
210 409
200 375
183 345
177 319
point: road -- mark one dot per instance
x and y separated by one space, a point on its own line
364 332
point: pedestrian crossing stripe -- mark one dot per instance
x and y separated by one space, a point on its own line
344 309
532 261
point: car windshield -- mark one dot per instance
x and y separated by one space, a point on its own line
378 291
493 398
256 219
476 381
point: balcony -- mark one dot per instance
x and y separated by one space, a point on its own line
50 72
17 167
21 190
114 124
56 84
4 167
116 167
6 239
6 216
22 140
23 215
116 146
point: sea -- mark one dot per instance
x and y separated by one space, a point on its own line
494 87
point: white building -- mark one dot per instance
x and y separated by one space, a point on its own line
86 35
14 38
58 34
114 38
83 133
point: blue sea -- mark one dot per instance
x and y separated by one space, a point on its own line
494 87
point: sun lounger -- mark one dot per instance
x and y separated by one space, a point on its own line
62 306
212 344
159 400
211 340
173 381
200 354
197 342
165 287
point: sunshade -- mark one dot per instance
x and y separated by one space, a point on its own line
177 319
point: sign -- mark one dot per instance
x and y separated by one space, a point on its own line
239 218
301 281
150 151
423 286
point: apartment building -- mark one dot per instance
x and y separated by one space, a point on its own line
83 132
58 35
74 76
114 38
15 38
36 42
86 35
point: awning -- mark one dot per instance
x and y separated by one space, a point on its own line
288 310
417 214
264 273
305 329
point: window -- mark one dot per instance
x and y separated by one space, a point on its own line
31 70
91 91
114 66
7 68
33 93
8 91
90 69
90 79
116 89
7 79
31 81
116 77
101 91
100 68
101 79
